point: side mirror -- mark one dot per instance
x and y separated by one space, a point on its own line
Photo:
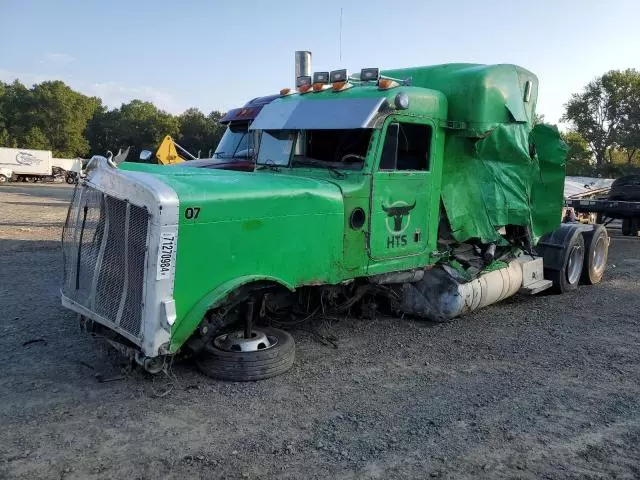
389 157
145 155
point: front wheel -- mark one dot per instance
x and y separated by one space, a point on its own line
230 356
3 179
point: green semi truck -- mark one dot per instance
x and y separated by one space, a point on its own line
422 191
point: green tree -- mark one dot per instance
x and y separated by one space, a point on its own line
62 114
103 131
142 125
16 105
200 133
49 113
578 157
35 139
603 113
627 86
137 124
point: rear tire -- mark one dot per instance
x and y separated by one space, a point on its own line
3 179
596 247
567 277
626 188
249 366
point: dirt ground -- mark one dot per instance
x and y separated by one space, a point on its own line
536 387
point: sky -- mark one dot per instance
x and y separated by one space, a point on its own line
217 55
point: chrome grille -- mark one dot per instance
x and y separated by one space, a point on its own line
104 245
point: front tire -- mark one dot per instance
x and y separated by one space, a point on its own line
235 365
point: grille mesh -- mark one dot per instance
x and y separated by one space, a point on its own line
104 251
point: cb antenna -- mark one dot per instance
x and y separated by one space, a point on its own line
340 45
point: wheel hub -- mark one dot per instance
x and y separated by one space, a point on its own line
236 341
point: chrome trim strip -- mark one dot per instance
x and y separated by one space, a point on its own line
103 246
125 283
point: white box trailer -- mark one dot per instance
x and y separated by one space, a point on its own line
23 162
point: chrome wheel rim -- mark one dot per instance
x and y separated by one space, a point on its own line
574 267
236 341
599 254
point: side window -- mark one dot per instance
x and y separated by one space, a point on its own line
406 147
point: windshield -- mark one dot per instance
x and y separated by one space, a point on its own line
236 142
315 148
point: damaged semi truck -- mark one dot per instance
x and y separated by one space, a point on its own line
423 191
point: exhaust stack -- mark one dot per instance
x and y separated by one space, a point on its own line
303 64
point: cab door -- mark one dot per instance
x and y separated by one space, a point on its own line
401 189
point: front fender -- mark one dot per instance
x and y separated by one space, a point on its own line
181 331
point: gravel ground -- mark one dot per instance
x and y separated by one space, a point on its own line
536 387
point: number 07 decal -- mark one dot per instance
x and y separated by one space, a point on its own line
191 213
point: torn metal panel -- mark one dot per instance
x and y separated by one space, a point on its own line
513 176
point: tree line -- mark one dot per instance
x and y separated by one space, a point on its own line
604 119
52 116
603 139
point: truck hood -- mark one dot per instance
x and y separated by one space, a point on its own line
224 195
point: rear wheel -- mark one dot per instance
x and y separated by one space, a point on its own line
596 245
3 179
567 277
231 356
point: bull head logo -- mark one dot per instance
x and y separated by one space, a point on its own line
397 212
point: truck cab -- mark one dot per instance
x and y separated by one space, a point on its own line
427 187
237 146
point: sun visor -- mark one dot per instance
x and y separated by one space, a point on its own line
306 114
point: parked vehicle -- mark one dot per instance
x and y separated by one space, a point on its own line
5 175
18 164
422 191
24 164
622 203
236 150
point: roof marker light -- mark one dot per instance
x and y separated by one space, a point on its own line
338 76
303 80
369 74
321 77
303 83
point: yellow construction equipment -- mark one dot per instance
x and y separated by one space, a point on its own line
167 153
